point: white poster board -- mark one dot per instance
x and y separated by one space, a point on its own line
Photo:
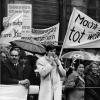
11 92
26 9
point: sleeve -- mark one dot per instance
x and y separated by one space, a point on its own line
69 71
61 70
88 81
43 69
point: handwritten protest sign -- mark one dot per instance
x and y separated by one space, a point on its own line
11 92
8 35
13 28
26 9
81 30
13 20
47 36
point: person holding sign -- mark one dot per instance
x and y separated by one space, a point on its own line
51 71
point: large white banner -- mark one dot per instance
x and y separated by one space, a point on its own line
26 9
81 30
47 36
11 92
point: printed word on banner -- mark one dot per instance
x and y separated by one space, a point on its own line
14 22
81 30
10 34
11 92
26 9
47 36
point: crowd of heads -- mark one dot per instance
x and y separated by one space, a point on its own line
76 69
82 67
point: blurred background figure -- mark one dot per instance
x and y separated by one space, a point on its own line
80 82
80 70
92 82
3 56
29 62
92 78
76 76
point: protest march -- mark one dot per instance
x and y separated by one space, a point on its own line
42 62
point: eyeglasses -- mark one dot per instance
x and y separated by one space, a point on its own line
14 55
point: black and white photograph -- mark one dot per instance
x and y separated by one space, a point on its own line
49 50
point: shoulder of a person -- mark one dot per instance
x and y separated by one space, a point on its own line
41 59
6 62
74 73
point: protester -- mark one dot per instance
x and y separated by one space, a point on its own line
92 79
80 82
99 69
71 78
75 74
51 71
3 56
92 82
12 71
35 77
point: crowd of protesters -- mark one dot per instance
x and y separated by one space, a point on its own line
56 81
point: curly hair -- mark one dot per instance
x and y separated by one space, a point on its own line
89 67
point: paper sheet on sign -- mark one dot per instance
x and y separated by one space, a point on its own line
26 9
13 92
